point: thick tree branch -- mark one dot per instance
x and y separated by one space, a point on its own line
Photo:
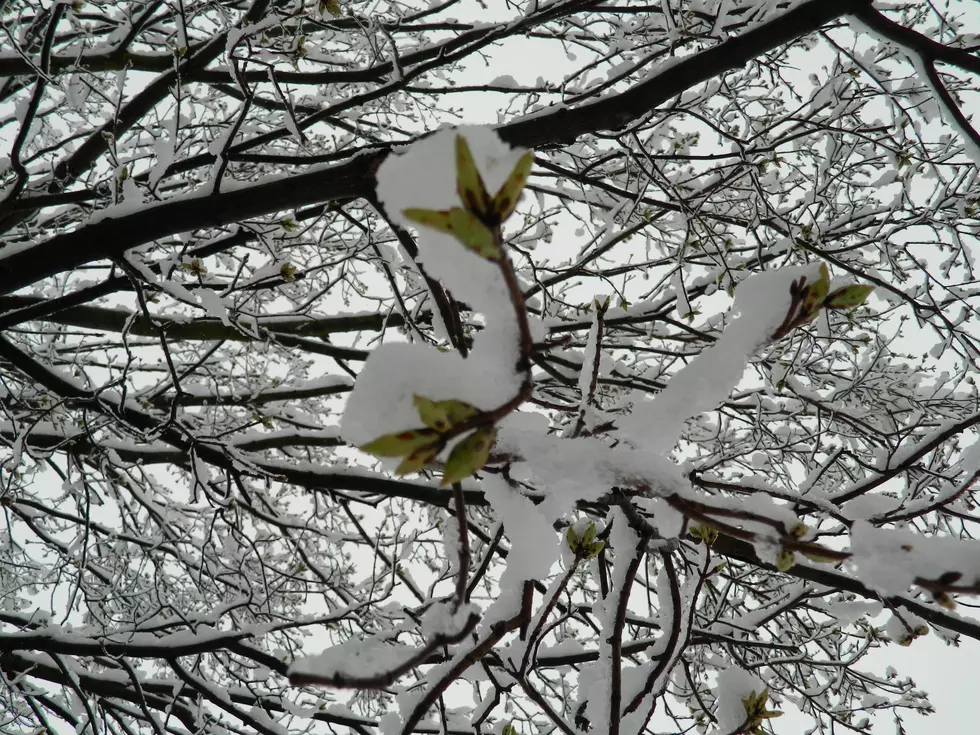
29 264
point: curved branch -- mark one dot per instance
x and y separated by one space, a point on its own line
111 237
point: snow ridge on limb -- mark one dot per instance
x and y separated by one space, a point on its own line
457 421
110 238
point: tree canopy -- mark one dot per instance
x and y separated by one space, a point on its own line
484 367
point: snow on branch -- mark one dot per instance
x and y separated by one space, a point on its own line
424 407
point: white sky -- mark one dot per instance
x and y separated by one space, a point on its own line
947 673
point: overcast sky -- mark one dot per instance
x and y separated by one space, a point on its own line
947 673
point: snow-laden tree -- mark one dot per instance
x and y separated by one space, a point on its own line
648 404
